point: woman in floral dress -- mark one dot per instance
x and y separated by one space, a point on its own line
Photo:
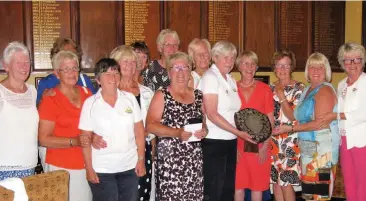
285 170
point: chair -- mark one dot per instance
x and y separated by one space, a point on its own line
43 187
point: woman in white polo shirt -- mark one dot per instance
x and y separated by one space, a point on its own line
221 101
115 115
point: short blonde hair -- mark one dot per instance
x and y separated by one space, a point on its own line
124 51
176 56
282 54
318 59
62 55
195 43
247 54
223 48
348 48
12 48
163 33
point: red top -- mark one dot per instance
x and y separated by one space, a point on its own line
249 172
66 116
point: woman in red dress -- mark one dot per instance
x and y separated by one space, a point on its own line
253 169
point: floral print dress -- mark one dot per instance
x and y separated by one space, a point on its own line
285 168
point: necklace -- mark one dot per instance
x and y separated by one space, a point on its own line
245 86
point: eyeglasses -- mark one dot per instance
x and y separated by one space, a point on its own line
285 66
171 45
67 70
247 64
354 61
178 68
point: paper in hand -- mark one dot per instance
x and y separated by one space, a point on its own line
193 128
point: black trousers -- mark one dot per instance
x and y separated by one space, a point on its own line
219 165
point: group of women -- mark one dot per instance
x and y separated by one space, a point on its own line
130 140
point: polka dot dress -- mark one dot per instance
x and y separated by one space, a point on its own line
144 186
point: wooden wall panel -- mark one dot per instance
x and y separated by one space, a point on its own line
11 24
50 20
328 29
98 30
226 22
260 30
142 21
263 27
294 29
185 18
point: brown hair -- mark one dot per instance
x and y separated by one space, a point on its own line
61 42
282 54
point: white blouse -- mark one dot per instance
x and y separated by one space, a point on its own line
19 129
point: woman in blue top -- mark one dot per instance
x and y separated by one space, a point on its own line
318 144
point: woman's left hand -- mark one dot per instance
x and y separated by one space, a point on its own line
140 168
280 91
200 134
84 140
263 151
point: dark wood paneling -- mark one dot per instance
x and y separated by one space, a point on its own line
328 30
11 24
75 20
259 30
142 23
185 18
98 31
294 29
226 22
263 27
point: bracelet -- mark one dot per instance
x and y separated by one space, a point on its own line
70 141
292 128
338 116
141 158
283 100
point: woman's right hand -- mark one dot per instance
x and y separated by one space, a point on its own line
92 176
184 136
246 136
281 129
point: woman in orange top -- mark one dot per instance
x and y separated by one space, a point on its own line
253 169
58 126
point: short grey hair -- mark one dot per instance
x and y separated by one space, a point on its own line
58 58
163 33
176 56
318 59
12 48
223 48
349 48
